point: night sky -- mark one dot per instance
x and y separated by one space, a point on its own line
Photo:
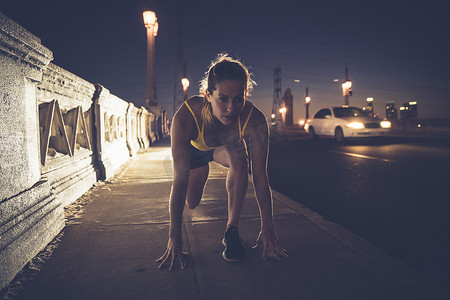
395 50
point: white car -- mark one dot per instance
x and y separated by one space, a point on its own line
345 122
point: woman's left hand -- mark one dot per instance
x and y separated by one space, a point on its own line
271 245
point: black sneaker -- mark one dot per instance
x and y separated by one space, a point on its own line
234 248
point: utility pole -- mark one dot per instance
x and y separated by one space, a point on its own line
276 105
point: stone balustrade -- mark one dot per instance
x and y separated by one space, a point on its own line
59 134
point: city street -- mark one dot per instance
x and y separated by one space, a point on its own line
391 191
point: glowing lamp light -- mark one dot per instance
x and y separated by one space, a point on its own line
283 110
301 122
413 103
149 18
347 85
185 83
347 88
307 99
402 108
273 116
369 99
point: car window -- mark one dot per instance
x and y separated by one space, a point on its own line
346 112
322 113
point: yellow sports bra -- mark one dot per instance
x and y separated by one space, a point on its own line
200 143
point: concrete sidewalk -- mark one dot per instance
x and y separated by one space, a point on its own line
117 230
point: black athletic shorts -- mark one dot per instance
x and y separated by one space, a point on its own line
200 158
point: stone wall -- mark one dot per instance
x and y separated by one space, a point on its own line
59 134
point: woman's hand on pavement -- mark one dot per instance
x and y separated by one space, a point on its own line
271 245
173 255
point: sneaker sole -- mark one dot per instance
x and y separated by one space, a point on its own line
228 259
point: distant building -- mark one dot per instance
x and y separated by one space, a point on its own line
408 110
288 103
391 111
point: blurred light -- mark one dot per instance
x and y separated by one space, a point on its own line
385 124
413 103
355 125
419 125
149 18
185 83
273 116
301 122
348 84
336 80
283 110
402 108
307 100
296 80
369 99
306 126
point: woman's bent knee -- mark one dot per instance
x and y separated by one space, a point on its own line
239 163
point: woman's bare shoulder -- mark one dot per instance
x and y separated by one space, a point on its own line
183 122
196 103
257 117
183 111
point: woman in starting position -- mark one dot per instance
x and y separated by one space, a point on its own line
210 127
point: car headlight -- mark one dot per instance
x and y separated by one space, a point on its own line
385 124
355 125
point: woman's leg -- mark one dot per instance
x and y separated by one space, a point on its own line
235 158
196 184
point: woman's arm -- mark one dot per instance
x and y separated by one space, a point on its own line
180 143
259 149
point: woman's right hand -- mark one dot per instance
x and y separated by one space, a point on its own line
173 254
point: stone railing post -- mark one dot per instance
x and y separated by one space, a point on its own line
132 125
111 137
30 214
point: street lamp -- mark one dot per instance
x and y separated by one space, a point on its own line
346 88
307 101
151 23
369 106
185 84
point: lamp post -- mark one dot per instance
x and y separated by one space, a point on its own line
185 84
151 24
369 107
346 88
307 101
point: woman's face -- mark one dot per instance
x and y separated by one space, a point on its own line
227 101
